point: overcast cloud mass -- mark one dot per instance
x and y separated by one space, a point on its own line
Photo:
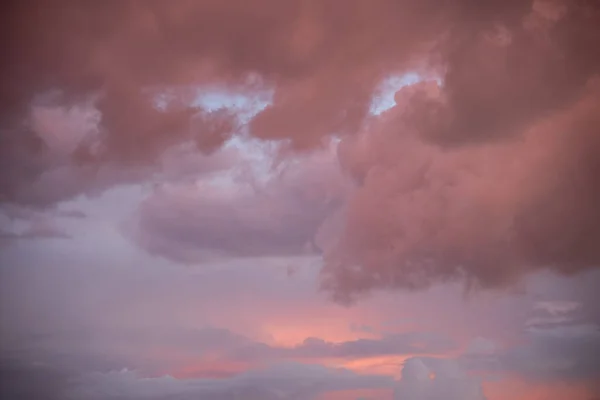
300 199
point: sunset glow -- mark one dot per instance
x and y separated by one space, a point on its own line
300 200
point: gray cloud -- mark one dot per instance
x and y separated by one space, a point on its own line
431 379
278 382
284 381
559 343
35 227
191 223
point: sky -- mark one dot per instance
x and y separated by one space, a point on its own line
300 200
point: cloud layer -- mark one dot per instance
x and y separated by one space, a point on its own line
244 215
485 170
442 380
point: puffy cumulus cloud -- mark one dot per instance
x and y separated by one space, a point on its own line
487 212
486 175
276 215
429 379
297 46
58 175
121 56
323 61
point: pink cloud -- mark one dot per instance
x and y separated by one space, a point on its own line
487 212
485 173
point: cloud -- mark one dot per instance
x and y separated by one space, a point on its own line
487 212
485 172
323 63
57 174
550 350
138 52
44 229
277 216
555 314
37 227
282 381
481 347
77 214
409 343
555 308
426 379
568 356
561 345
279 381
